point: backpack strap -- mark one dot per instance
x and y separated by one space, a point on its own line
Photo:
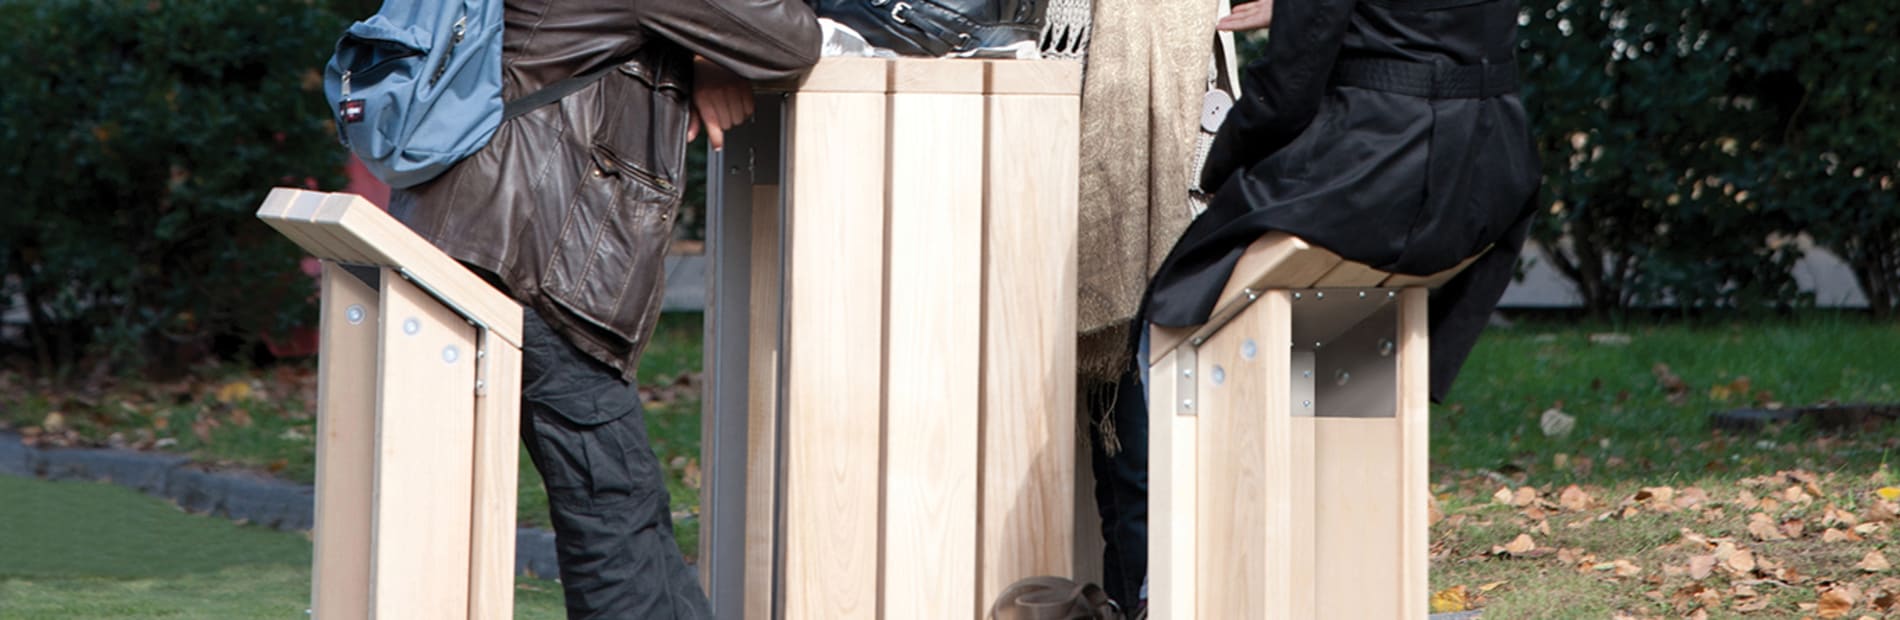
552 93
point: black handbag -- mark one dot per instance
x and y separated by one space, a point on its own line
939 27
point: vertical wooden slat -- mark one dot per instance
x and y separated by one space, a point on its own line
762 395
425 434
835 310
932 339
1357 529
1415 428
1304 599
1173 479
1029 436
346 426
1246 463
497 463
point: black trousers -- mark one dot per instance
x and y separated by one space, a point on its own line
586 433
1121 485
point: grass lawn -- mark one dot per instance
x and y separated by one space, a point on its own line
1575 472
262 419
1666 518
87 550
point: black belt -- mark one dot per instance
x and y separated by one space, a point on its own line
1432 81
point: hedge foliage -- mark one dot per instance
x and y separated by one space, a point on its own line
1688 142
137 139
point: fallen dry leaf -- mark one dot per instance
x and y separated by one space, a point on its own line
1747 500
1742 562
1518 546
1873 562
1699 567
1450 600
1525 496
1835 603
1833 535
1574 499
1503 496
1764 528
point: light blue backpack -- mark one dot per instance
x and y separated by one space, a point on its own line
417 86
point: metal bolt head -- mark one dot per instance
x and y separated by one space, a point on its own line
1307 374
1306 403
1391 294
355 314
1341 377
1387 347
1362 294
1296 294
1220 375
1248 349
1319 294
411 326
1187 373
451 354
1187 404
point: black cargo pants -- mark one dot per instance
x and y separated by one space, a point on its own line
607 498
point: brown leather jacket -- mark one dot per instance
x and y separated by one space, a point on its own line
572 204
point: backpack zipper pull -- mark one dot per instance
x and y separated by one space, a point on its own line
461 24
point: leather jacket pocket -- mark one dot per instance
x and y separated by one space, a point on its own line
608 269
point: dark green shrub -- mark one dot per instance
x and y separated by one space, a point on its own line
137 139
1648 117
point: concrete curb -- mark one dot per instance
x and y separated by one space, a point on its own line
237 495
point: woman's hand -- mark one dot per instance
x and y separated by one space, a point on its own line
721 100
1250 16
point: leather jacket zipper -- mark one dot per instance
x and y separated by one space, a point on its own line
617 164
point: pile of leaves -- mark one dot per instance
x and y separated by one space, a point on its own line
1786 545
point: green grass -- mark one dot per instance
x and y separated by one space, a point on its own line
1626 425
89 550
263 419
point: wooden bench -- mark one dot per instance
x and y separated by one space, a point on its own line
418 395
1288 444
889 427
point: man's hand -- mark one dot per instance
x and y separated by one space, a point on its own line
721 101
1250 16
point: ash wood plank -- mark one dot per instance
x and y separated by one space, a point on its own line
833 401
348 228
1415 452
1349 274
1246 515
1274 261
425 434
1035 77
491 576
1304 600
346 427
762 371
1173 510
1431 281
839 75
933 334
1358 520
1029 295
916 76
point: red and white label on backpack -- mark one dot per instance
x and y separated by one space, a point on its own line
351 111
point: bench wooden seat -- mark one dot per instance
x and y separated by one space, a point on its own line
1288 440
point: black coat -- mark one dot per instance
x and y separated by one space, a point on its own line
1386 131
